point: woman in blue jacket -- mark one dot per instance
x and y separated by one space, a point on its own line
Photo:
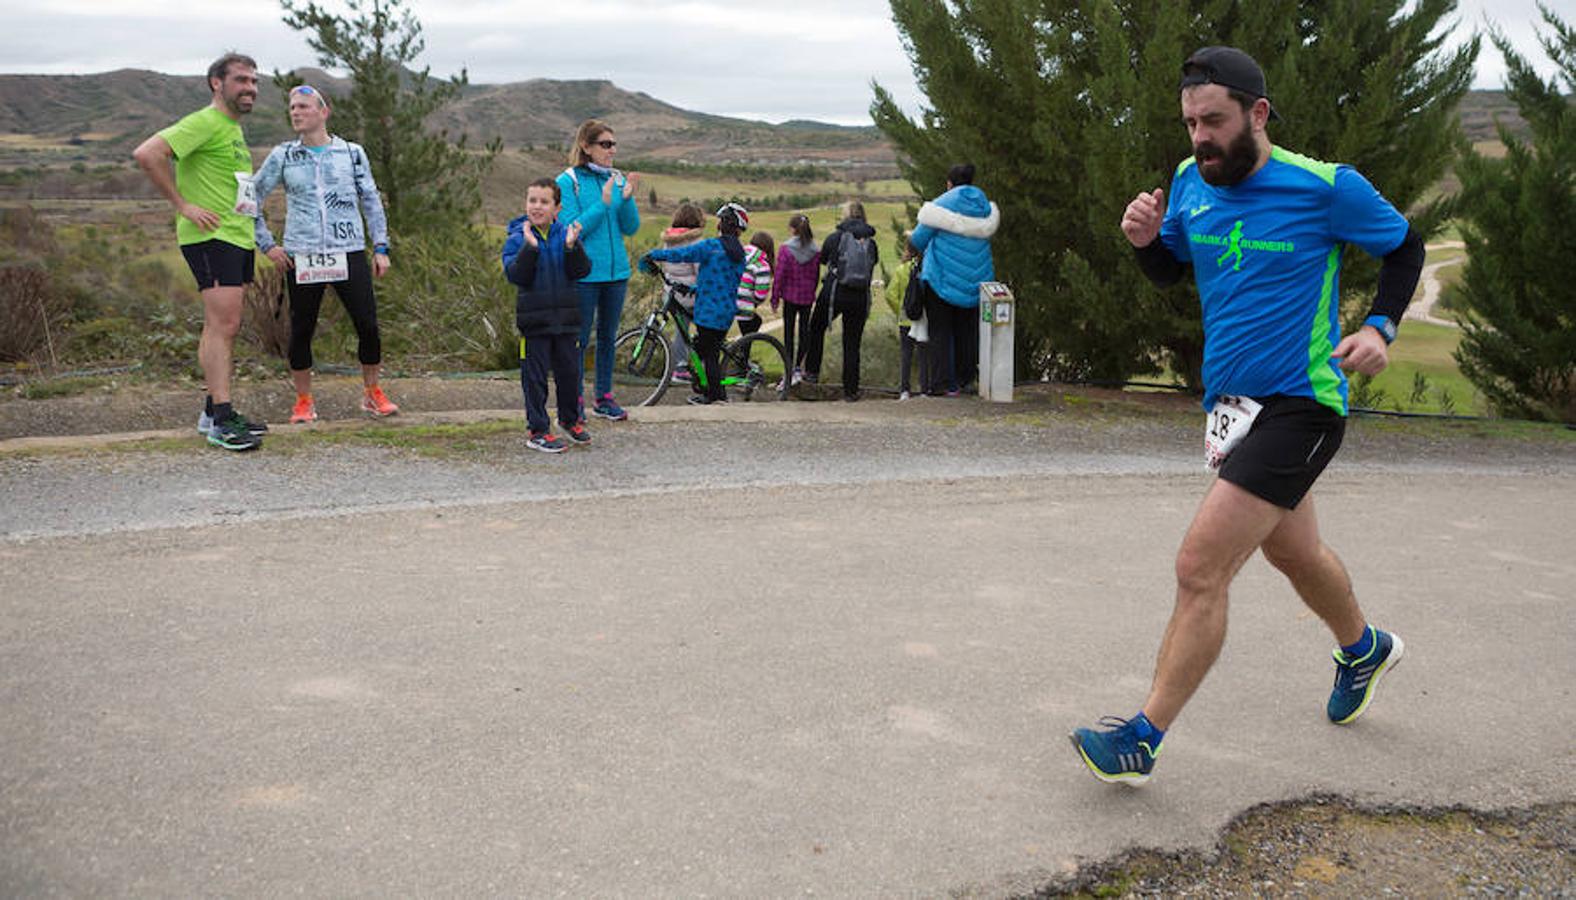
954 234
600 199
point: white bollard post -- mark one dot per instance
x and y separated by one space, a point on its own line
997 315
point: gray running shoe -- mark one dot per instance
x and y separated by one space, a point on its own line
233 434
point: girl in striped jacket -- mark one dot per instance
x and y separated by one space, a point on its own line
755 285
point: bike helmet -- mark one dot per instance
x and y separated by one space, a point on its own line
739 215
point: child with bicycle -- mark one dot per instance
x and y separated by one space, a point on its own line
721 261
543 259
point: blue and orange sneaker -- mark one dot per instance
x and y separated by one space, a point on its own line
1116 755
545 442
1356 679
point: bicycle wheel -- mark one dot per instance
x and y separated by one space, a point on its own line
753 369
642 366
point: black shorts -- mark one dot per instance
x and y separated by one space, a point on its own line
218 263
1291 442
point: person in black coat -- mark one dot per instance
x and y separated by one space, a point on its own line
544 259
851 257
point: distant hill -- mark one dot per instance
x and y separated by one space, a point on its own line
1480 109
108 113
119 107
112 110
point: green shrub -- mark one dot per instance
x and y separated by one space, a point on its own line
446 303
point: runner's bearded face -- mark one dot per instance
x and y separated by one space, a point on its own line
1224 144
238 90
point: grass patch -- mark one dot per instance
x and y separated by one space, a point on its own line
1424 351
1473 429
156 445
433 441
62 387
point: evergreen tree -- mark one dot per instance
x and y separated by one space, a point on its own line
1519 340
427 181
1070 107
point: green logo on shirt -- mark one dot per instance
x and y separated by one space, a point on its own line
1236 244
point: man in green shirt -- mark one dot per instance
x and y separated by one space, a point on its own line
211 190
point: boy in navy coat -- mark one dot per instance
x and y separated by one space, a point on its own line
544 259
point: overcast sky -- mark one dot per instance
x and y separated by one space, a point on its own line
805 59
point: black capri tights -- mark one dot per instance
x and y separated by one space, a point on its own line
355 292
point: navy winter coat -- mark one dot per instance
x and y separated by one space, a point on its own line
544 277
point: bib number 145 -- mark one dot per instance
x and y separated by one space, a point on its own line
1226 425
317 268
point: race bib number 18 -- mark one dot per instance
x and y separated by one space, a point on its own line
317 268
245 195
1225 427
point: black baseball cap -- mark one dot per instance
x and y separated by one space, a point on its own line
1229 68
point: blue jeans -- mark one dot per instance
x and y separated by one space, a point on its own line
601 304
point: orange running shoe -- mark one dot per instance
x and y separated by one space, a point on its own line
304 410
374 401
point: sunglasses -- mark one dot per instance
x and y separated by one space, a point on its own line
606 144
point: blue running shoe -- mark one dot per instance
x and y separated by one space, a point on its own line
1115 756
1355 679
605 408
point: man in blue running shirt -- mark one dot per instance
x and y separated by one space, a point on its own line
1264 230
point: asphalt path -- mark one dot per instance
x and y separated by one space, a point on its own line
811 650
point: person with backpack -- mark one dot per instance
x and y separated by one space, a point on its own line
905 300
601 200
794 286
850 256
954 235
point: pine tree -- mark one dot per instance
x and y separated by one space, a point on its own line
1519 336
1068 109
428 182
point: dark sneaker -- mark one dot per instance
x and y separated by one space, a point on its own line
605 408
205 425
1356 679
699 400
577 434
1115 756
233 434
546 443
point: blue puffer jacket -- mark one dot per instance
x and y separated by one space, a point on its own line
602 227
954 234
544 276
716 288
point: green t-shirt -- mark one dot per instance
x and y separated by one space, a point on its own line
209 149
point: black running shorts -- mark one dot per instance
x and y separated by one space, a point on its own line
218 263
1291 442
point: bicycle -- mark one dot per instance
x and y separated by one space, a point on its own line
753 366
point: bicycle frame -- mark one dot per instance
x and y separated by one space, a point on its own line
671 308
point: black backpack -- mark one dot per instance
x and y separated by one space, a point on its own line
856 261
913 296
